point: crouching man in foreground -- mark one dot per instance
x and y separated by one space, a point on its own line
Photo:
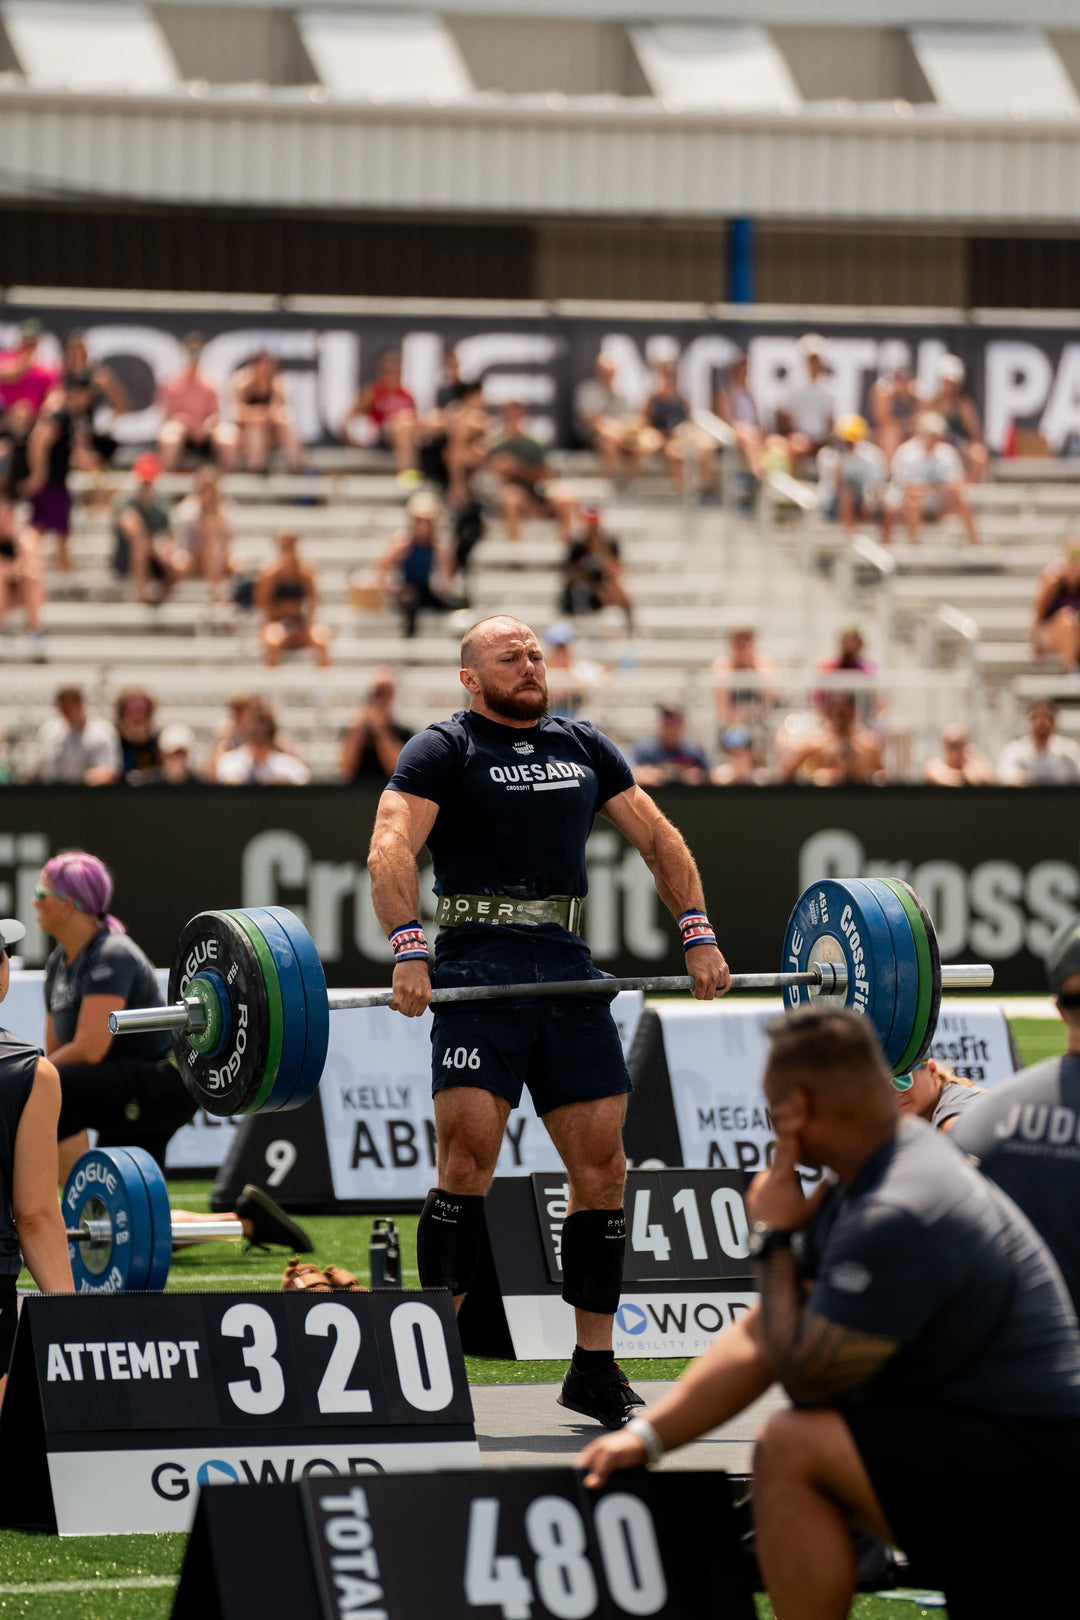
923 1334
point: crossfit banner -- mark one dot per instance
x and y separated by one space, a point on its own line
998 868
1027 378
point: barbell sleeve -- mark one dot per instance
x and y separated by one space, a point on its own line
830 978
100 1233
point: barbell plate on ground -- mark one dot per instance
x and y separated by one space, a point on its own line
906 958
318 1007
930 979
275 1012
157 1193
106 1185
226 1082
836 922
293 1008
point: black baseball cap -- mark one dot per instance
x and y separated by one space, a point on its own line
1063 954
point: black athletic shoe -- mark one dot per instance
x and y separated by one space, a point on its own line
269 1222
603 1395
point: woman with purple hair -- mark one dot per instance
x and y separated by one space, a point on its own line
127 1090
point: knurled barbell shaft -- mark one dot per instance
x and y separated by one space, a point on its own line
829 977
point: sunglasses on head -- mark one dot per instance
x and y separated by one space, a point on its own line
903 1082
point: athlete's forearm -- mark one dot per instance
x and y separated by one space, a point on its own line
45 1250
395 888
732 1373
674 870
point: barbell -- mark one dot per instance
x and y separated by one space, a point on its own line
120 1229
249 1009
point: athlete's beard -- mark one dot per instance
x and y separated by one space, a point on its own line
529 704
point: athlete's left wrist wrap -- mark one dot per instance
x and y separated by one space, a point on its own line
696 929
409 943
642 1430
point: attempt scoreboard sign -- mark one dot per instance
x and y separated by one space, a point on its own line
508 1544
141 1399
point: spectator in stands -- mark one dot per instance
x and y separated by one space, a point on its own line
927 482
895 407
466 428
592 570
838 753
963 429
75 749
49 447
391 409
259 761
806 419
748 707
264 422
527 487
22 575
7 769
1042 758
737 767
134 712
233 730
735 406
98 386
24 376
852 476
202 534
433 429
571 679
607 423
191 414
850 656
417 566
371 746
1055 621
143 532
673 434
669 755
287 596
176 744
960 763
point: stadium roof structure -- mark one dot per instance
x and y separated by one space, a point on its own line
706 108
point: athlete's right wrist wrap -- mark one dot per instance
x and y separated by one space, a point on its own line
593 1247
409 943
448 1237
696 929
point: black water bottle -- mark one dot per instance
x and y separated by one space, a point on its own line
384 1254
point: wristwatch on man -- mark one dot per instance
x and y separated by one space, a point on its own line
764 1239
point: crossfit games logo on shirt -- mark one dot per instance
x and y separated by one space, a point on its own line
850 1277
524 748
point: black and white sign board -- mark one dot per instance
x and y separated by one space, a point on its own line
512 1544
687 1273
120 1407
707 1061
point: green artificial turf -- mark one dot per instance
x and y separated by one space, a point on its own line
1038 1038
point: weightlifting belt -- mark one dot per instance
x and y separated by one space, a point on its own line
562 909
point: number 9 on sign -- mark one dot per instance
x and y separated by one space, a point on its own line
562 1576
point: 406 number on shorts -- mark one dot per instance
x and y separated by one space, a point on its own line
461 1057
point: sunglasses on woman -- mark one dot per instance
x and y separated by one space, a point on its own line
54 894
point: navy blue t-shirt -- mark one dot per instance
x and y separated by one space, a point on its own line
921 1249
516 805
1025 1134
107 965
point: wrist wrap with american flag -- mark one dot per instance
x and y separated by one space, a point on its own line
696 929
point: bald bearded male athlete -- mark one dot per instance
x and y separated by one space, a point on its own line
504 796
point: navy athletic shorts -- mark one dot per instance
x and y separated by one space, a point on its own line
9 1319
565 1051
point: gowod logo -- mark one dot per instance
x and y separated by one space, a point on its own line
171 1480
631 1318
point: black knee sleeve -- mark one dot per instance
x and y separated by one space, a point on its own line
448 1240
593 1246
